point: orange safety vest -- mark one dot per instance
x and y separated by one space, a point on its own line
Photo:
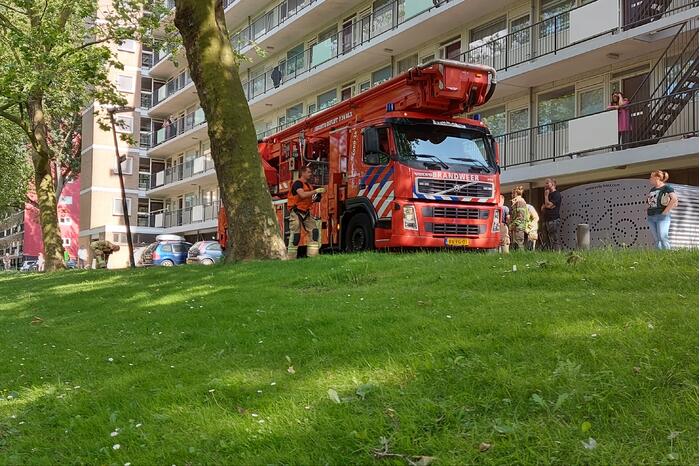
294 201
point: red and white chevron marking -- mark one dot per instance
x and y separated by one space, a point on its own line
381 196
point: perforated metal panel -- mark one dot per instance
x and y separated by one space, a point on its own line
616 213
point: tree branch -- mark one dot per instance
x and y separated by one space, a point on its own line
65 53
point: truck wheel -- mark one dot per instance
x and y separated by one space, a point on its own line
359 234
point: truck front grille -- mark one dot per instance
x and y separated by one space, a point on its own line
455 212
462 188
454 229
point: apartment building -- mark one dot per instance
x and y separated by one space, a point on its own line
20 231
558 62
101 214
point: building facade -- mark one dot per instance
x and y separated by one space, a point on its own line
558 62
20 231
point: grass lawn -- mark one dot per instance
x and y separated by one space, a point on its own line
351 359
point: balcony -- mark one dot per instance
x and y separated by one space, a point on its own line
179 179
593 35
178 135
339 57
174 95
236 10
665 127
196 217
285 24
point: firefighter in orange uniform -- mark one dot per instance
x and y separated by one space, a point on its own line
299 201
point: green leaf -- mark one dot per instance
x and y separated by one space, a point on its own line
503 429
333 395
363 390
585 426
560 400
539 400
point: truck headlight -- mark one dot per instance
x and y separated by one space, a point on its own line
410 221
496 226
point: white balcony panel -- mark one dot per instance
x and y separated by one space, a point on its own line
592 132
174 103
197 213
672 154
158 221
166 68
180 142
198 165
186 185
160 178
593 19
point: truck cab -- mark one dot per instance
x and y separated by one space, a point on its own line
431 183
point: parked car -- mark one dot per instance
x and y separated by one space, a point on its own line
168 250
29 266
205 253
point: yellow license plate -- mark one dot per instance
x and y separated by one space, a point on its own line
457 241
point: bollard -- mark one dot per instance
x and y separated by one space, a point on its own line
583 236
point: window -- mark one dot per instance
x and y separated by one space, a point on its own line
382 75
486 42
295 112
495 120
451 49
125 83
364 86
117 206
518 120
556 106
125 124
65 220
591 100
146 85
127 45
327 99
67 200
311 109
346 92
66 242
406 63
167 248
550 13
214 247
427 58
127 166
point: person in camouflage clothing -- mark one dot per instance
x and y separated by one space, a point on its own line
519 218
102 250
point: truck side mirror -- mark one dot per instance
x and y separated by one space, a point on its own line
371 152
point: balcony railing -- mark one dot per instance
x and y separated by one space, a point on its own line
269 21
177 127
171 87
182 171
552 35
571 138
187 216
362 31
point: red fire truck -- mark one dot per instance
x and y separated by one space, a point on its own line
401 170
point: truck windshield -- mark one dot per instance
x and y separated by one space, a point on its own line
440 147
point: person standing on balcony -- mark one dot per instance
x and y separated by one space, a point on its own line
167 125
624 128
660 201
519 218
299 201
550 212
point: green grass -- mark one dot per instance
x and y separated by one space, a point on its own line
447 351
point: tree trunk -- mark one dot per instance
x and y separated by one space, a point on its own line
44 187
253 228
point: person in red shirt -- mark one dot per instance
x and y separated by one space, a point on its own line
299 201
